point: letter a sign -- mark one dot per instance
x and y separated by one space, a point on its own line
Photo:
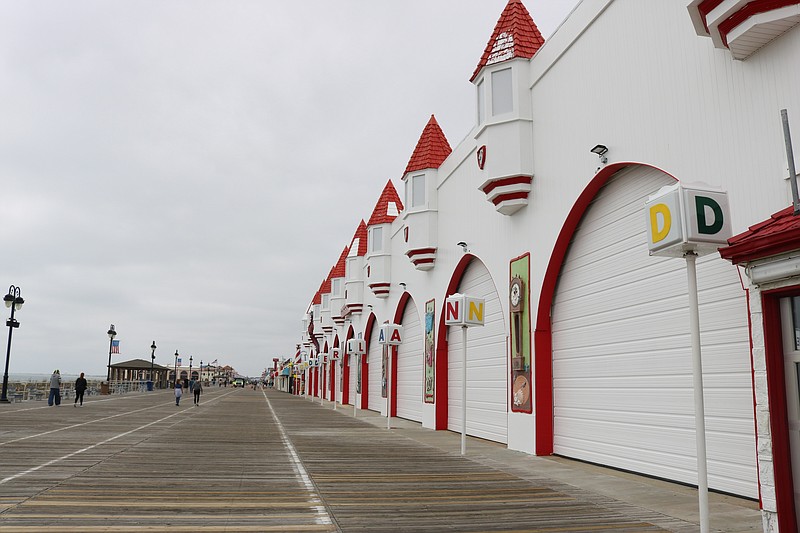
391 334
682 218
463 310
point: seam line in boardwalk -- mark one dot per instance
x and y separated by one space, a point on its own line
323 516
82 450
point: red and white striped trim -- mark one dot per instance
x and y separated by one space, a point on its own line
422 258
743 26
353 309
508 194
380 290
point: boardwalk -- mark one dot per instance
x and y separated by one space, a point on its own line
249 460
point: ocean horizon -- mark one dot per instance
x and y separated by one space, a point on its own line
35 377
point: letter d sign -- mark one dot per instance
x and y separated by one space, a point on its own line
708 216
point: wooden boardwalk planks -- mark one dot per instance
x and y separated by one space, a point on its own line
139 463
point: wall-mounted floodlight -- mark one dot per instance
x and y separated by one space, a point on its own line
601 151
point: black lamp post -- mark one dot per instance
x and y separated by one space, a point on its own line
14 301
190 368
152 359
176 368
111 334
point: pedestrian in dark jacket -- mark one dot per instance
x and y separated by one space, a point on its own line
80 388
197 388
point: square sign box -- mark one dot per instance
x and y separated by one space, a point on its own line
391 334
682 218
356 346
463 310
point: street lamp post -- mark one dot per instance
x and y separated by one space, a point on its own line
152 359
14 301
201 370
111 334
190 368
176 368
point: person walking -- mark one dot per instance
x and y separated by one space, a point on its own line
197 388
80 388
178 392
55 389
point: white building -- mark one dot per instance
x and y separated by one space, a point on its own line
594 361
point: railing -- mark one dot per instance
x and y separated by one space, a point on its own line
125 387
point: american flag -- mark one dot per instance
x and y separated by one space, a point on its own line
114 346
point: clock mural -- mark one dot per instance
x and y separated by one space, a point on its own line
520 325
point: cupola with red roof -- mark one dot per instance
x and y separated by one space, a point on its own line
420 215
505 122
338 308
743 26
378 256
515 36
354 271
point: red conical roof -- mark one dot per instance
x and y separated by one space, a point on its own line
515 35
338 270
360 237
432 148
388 206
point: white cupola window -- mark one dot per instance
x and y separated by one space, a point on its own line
336 287
502 92
375 239
415 191
326 298
481 102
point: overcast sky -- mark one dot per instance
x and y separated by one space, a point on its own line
191 170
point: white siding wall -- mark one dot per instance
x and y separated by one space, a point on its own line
375 401
622 367
487 376
410 359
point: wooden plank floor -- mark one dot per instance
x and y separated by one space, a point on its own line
251 461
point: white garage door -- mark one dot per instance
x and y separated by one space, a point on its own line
353 367
487 375
410 357
622 372
374 401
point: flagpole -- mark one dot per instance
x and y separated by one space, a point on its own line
111 334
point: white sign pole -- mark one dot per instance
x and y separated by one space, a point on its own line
699 406
355 392
689 221
321 379
464 391
333 382
388 353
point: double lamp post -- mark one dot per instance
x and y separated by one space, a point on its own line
14 301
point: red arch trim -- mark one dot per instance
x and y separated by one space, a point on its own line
346 369
398 319
442 352
364 365
542 336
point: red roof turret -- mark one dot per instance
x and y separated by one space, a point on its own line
360 238
338 270
388 206
432 148
515 35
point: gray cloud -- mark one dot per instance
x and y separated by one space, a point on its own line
190 171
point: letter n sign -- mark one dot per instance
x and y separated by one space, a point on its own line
463 310
391 334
